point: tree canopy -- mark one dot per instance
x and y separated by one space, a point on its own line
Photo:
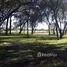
34 11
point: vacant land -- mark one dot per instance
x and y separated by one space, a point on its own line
20 51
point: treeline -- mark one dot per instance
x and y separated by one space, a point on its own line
31 12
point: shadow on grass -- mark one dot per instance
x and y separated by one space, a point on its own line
13 37
45 37
25 55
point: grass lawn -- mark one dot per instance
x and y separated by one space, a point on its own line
20 51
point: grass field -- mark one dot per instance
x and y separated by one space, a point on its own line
20 51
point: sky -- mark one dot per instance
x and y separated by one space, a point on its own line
42 26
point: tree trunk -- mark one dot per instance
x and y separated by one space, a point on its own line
57 33
56 24
62 32
10 25
20 31
24 30
6 27
27 29
61 35
32 31
49 28
20 28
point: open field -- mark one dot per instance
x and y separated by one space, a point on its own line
20 51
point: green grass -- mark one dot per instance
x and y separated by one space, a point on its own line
22 39
15 49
